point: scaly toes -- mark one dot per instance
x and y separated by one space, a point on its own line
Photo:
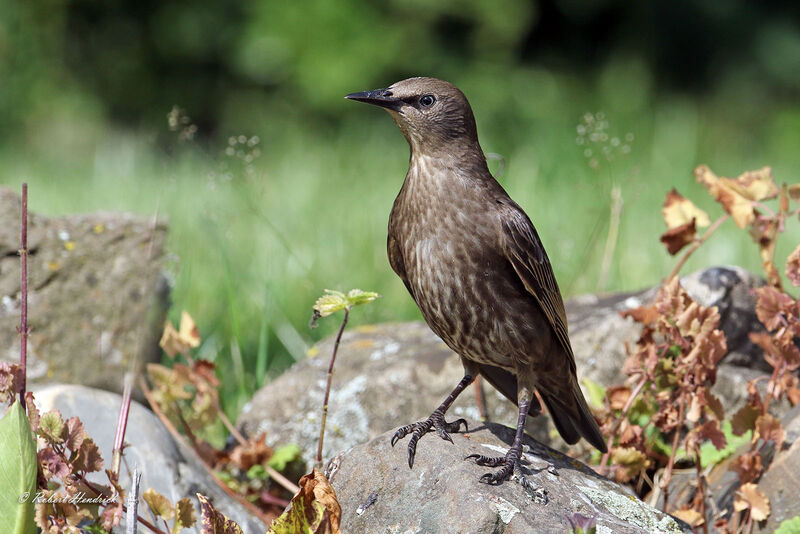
487 461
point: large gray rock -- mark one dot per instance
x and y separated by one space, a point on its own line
164 466
96 293
391 374
386 376
442 494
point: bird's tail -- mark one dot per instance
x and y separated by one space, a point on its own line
572 417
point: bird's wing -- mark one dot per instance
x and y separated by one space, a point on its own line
396 261
524 250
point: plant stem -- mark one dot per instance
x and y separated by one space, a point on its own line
328 387
668 471
694 246
23 326
122 423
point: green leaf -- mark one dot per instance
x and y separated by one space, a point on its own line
789 526
51 426
356 297
17 472
283 455
334 301
331 302
596 392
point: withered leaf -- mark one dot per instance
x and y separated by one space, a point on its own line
734 204
750 497
712 432
53 464
213 521
678 211
314 507
75 434
793 267
744 419
690 516
642 314
680 236
748 466
88 458
770 428
771 307
180 341
618 396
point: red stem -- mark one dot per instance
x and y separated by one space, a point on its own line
122 423
328 387
23 327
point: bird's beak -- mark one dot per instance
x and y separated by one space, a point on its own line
378 97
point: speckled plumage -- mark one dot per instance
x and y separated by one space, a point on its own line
475 266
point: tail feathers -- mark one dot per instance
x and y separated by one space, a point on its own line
573 419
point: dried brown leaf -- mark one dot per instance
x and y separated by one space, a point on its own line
748 466
772 306
643 314
712 432
722 189
678 211
749 497
213 521
744 419
793 267
692 517
680 236
770 428
180 341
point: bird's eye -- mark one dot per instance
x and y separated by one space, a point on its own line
426 101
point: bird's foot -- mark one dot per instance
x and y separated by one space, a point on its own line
510 467
420 428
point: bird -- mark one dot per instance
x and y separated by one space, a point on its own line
474 264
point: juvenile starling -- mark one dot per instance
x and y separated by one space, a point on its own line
474 264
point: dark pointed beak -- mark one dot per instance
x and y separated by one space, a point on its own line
378 97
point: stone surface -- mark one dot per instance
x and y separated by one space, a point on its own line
442 494
97 296
386 376
392 374
781 481
164 467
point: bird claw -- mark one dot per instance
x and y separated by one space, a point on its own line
420 428
509 468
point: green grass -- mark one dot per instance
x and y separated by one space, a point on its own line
250 254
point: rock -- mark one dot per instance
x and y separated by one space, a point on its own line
782 478
164 467
96 290
386 376
392 374
442 492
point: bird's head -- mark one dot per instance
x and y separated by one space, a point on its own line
433 114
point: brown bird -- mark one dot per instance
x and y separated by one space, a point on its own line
475 266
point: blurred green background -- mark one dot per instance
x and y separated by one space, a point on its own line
227 116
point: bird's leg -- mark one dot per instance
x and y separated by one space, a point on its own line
510 463
435 421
